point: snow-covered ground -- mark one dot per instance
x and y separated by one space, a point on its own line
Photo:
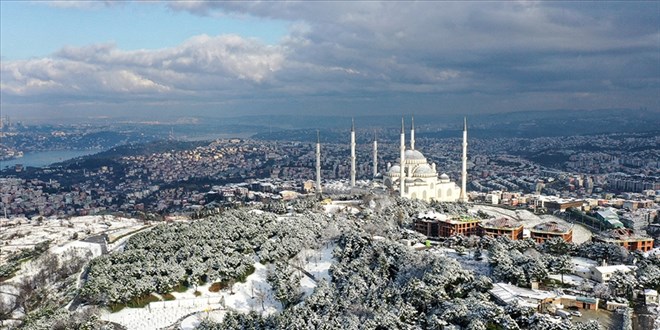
529 220
342 206
571 279
318 264
8 289
208 304
62 231
479 267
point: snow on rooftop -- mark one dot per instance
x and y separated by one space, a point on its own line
622 234
509 293
340 206
502 222
569 279
529 220
433 215
612 268
552 226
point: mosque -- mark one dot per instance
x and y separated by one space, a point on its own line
413 177
416 178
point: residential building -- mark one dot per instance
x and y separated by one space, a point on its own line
502 227
551 229
627 238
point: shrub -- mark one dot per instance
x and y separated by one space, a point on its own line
180 288
217 286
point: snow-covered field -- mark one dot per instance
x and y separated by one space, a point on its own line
529 220
208 304
61 231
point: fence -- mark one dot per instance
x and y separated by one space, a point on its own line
189 303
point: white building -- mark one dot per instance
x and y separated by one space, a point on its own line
602 274
420 179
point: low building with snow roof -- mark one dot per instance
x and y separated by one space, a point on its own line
427 222
602 274
553 203
551 229
507 294
651 297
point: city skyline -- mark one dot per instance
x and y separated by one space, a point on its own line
85 59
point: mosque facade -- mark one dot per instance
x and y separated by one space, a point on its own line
415 178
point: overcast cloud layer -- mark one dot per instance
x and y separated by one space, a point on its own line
365 57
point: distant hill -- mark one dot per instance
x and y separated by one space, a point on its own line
527 124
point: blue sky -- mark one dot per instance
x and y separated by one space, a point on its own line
221 58
32 30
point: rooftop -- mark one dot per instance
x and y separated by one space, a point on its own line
623 234
551 227
501 223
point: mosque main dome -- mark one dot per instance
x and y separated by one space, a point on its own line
414 157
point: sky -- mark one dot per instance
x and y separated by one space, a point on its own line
66 59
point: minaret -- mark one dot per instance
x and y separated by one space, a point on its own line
318 162
375 155
463 198
412 134
352 153
402 148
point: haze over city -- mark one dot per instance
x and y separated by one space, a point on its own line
69 59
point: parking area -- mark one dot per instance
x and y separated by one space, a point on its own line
606 318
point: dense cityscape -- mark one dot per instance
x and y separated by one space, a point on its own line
529 189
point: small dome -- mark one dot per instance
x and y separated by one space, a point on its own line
423 170
394 170
444 176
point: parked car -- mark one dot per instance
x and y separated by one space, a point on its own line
576 313
563 314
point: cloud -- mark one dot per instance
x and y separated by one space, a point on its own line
79 4
485 56
199 64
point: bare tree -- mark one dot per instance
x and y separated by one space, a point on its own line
231 283
27 295
261 298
